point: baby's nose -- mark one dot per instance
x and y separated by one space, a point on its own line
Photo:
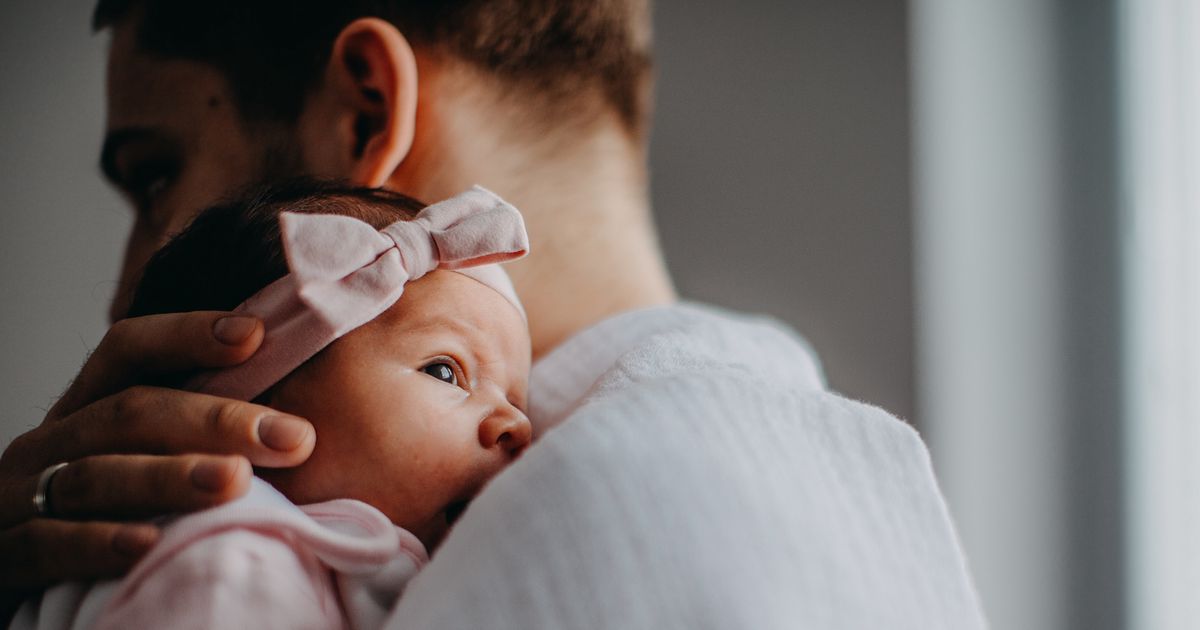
505 428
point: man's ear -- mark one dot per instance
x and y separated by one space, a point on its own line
359 123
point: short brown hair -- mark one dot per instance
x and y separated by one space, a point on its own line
272 51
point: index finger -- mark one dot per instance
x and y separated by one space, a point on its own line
136 348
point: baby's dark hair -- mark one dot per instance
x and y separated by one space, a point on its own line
233 250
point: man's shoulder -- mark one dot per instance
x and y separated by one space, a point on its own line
700 339
719 399
797 484
669 341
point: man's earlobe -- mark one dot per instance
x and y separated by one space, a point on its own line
374 72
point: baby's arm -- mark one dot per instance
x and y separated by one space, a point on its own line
238 578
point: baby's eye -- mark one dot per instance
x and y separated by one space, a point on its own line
442 371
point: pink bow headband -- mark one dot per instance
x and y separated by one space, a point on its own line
345 273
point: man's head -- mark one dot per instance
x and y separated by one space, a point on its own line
273 52
427 97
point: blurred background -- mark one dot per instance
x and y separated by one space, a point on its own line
985 216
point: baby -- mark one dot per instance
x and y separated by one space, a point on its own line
414 377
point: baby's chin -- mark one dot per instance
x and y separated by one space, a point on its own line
434 530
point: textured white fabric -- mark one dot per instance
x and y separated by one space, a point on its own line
693 472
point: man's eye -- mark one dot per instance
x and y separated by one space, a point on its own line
442 371
147 180
152 189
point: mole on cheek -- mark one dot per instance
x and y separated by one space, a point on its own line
214 102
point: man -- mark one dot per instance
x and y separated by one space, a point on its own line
698 474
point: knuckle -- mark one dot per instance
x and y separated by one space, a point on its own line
132 403
193 321
117 335
185 336
165 481
228 417
73 486
19 443
20 448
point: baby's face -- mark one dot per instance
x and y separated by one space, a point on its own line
417 409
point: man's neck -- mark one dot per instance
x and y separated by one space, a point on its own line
594 252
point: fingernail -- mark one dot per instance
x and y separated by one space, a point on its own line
234 329
282 433
135 540
212 475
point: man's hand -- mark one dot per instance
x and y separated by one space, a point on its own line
135 451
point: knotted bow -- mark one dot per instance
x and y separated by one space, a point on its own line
345 273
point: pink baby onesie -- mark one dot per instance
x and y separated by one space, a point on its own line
258 562
263 562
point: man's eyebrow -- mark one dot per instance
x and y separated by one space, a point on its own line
113 142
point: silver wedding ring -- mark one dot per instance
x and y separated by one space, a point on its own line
40 504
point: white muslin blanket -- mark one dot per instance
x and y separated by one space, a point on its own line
693 472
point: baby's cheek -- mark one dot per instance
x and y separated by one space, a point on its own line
340 467
297 484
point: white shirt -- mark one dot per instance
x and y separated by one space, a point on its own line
692 471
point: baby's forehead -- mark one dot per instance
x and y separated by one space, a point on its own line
451 304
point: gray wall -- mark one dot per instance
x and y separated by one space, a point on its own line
1019 296
60 227
780 163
